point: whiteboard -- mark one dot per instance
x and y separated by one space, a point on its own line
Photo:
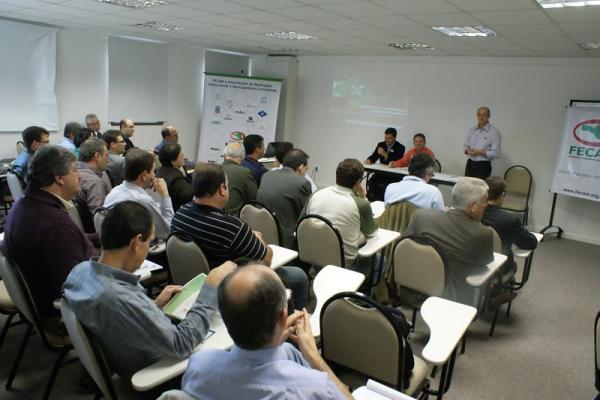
27 76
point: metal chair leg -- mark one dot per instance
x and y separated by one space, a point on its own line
414 318
52 378
15 367
494 321
7 325
464 343
433 371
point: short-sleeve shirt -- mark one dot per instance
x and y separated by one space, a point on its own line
221 236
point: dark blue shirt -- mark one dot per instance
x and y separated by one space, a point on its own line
255 167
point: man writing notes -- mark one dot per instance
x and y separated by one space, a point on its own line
481 146
387 151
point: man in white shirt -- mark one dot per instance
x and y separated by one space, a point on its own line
139 176
481 146
415 188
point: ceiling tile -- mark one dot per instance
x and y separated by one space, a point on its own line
386 20
258 16
527 30
66 11
223 20
174 10
268 4
304 13
359 9
453 19
24 3
560 53
216 6
339 23
575 14
95 6
525 17
417 6
516 52
589 28
481 5
296 26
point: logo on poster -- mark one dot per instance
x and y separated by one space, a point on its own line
237 135
588 132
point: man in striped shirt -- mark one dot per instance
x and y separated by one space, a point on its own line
224 237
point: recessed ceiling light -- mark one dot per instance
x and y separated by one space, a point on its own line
134 3
411 46
567 3
465 30
289 36
158 26
590 46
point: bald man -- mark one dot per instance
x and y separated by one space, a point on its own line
252 302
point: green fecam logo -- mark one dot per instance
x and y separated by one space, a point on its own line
588 134
237 135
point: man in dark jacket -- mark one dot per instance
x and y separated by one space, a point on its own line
508 225
40 236
387 151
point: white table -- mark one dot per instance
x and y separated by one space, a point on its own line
376 391
520 253
170 367
483 276
382 238
281 256
145 270
377 208
447 321
329 281
438 177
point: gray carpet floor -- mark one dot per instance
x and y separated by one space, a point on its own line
545 350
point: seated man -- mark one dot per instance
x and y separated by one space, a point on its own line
242 185
415 188
107 298
464 243
93 124
285 192
420 148
33 138
224 237
139 176
387 151
169 135
346 206
261 364
255 149
68 140
41 237
281 151
116 148
508 225
93 159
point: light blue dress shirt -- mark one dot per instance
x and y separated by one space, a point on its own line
131 330
416 191
272 373
487 138
67 144
20 163
162 212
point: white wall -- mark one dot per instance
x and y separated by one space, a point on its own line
440 96
82 87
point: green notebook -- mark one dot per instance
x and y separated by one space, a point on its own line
181 303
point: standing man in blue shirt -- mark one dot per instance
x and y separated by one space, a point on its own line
481 146
261 365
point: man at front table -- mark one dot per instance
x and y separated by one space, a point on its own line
420 148
107 298
261 364
386 152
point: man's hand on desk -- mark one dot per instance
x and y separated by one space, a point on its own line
367 162
166 294
216 275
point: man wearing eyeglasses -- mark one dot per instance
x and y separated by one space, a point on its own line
116 148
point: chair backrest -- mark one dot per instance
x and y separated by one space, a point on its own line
497 241
14 185
88 351
99 218
261 219
364 339
186 259
597 349
419 267
319 242
437 167
518 180
19 292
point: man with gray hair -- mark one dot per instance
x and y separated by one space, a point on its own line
242 185
93 124
40 236
463 242
93 160
68 141
415 188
